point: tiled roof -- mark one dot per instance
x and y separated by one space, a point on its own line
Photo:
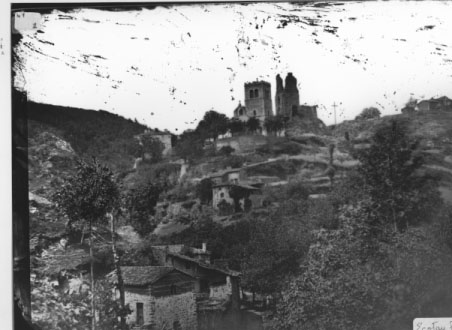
225 271
141 275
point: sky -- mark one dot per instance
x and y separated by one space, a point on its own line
167 66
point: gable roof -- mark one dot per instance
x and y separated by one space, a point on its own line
141 275
225 271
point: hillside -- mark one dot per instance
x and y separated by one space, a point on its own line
107 136
433 130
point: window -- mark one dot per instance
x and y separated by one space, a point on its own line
256 93
140 315
173 289
254 113
222 194
251 94
241 112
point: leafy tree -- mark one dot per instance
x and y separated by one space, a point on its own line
212 125
236 126
226 150
369 113
390 169
140 202
272 255
87 197
190 146
274 124
253 125
204 190
153 147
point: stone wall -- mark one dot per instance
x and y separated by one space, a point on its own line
222 291
243 143
138 295
174 309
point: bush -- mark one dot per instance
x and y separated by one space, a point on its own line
368 113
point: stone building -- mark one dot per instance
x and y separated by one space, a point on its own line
214 282
258 102
160 297
442 103
287 98
224 181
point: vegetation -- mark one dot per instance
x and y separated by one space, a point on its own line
253 125
212 125
86 198
100 134
140 202
369 113
352 268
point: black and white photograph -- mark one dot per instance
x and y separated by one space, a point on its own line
235 165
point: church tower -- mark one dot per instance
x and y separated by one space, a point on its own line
258 101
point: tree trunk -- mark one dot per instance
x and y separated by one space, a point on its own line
91 263
117 262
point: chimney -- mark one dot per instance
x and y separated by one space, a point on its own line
204 247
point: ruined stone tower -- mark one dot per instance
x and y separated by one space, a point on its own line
287 98
258 101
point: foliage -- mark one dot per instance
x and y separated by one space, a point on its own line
212 125
364 276
238 193
226 150
140 203
88 195
236 126
204 191
225 208
274 124
109 309
100 134
369 113
190 146
151 147
53 309
233 161
272 254
253 125
390 169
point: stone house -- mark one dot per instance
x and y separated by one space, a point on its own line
160 297
222 193
230 175
442 103
224 181
214 282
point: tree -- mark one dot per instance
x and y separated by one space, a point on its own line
390 170
369 113
212 125
86 198
275 124
189 146
271 256
140 202
153 147
204 190
253 125
236 126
